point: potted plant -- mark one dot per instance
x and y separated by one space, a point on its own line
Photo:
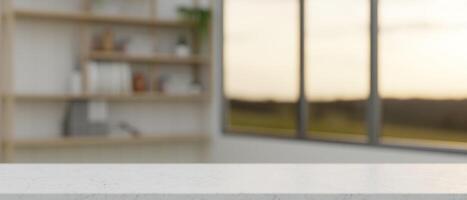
200 16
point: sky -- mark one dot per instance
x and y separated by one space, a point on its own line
423 47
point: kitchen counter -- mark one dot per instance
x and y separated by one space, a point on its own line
235 181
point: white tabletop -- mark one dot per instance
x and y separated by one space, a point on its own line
223 179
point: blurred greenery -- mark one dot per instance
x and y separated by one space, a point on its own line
279 119
198 15
244 121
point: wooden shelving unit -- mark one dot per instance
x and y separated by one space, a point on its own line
85 19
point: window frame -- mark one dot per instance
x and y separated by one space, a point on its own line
374 102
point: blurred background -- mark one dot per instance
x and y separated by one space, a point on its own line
164 81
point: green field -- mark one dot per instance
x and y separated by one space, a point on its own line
331 126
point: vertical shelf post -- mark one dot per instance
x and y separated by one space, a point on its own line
152 70
8 105
84 48
210 46
2 74
153 8
196 46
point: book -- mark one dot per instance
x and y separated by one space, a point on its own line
110 78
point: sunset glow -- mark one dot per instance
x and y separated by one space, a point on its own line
421 49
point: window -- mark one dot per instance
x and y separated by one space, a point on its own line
337 68
423 70
418 52
261 66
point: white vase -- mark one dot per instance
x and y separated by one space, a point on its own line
182 51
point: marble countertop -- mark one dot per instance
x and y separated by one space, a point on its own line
268 181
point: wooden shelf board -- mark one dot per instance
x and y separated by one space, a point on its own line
93 141
134 97
90 18
156 59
